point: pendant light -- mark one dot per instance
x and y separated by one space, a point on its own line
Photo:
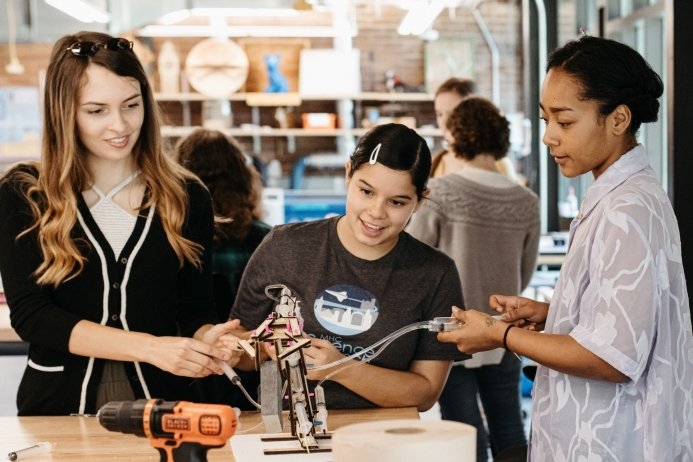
14 66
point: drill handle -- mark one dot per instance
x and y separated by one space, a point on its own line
186 452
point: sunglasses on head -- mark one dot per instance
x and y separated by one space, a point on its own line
89 48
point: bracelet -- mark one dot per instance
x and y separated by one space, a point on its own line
505 336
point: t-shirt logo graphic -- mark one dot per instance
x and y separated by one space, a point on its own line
346 310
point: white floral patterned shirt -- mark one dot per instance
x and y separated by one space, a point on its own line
622 295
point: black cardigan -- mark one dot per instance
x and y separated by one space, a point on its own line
144 289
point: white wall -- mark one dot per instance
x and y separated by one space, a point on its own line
12 368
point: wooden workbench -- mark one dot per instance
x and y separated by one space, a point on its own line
79 438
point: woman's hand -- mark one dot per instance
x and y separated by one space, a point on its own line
477 332
197 356
520 311
190 357
222 336
185 356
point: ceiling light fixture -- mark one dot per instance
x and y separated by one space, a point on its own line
420 16
80 10
245 12
178 16
14 66
183 30
174 17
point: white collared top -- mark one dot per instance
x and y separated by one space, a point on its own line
622 295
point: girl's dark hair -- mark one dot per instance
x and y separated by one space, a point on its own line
478 127
463 87
612 74
401 148
234 186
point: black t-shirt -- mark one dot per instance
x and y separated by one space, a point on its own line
352 302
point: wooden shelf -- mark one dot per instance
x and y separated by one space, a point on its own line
366 96
395 97
171 131
256 101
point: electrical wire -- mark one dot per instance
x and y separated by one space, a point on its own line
399 332
250 429
247 395
236 380
381 345
385 342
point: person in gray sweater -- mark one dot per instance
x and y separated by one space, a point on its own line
490 226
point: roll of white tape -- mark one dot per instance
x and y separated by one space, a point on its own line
405 440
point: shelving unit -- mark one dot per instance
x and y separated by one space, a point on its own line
177 131
365 96
251 120
255 101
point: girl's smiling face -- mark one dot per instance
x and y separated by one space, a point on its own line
379 203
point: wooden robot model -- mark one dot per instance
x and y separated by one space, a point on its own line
282 330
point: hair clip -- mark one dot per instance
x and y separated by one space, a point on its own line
374 154
582 32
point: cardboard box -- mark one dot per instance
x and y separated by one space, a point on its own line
319 120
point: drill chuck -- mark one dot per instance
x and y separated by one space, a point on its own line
123 416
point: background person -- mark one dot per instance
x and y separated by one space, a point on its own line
236 190
615 375
448 95
490 226
104 245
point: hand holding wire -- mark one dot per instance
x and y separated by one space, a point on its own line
520 311
479 332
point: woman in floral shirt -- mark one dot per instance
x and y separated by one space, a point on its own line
615 374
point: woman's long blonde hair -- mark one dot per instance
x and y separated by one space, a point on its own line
63 171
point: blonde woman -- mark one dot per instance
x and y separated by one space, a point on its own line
104 245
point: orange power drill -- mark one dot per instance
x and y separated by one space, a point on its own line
181 431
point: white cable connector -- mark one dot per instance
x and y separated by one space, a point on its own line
443 324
